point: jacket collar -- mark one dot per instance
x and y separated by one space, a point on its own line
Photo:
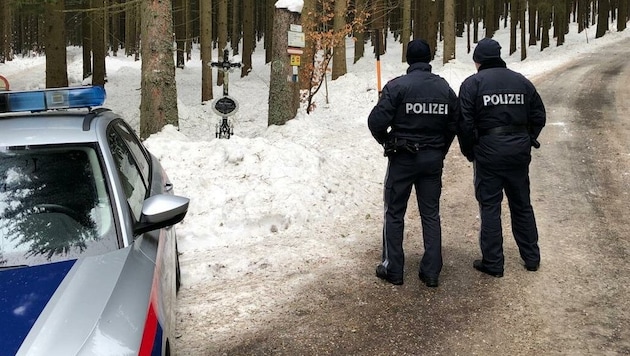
493 63
426 67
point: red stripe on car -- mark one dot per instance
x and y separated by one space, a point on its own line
152 330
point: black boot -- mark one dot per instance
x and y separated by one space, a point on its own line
479 266
381 272
428 281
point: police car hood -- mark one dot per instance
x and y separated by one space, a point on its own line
72 307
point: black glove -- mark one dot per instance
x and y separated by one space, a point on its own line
535 143
389 148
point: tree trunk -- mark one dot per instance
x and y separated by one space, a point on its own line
521 14
460 17
582 15
544 11
98 43
476 9
249 39
418 20
490 18
138 30
235 37
7 22
506 12
269 29
106 30
55 44
560 22
205 41
533 38
307 60
393 20
158 103
449 31
469 19
359 31
222 31
406 28
378 23
283 93
432 18
86 26
189 29
115 29
624 14
513 24
339 67
131 36
603 7
179 27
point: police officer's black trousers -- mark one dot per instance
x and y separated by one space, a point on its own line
422 170
490 182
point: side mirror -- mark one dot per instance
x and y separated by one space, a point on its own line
160 211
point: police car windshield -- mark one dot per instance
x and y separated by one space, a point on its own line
54 205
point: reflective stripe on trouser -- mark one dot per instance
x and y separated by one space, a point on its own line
489 186
422 170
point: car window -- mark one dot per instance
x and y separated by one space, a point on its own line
129 171
54 204
136 149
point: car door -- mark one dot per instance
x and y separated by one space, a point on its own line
142 176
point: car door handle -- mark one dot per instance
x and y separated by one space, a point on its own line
168 187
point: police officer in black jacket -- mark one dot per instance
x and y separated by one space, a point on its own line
415 121
501 118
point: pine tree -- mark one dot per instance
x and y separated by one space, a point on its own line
158 102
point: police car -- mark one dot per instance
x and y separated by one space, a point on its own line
88 253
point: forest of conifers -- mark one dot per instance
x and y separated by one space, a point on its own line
23 22
143 28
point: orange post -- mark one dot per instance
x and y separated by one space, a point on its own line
378 76
377 48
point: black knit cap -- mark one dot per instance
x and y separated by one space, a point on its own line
418 51
487 50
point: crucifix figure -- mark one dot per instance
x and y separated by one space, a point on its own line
225 106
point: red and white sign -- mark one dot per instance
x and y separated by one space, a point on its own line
292 50
4 83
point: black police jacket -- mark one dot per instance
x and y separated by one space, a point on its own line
419 107
498 97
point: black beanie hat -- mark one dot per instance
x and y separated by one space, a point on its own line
487 49
418 51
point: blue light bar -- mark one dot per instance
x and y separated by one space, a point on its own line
51 99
